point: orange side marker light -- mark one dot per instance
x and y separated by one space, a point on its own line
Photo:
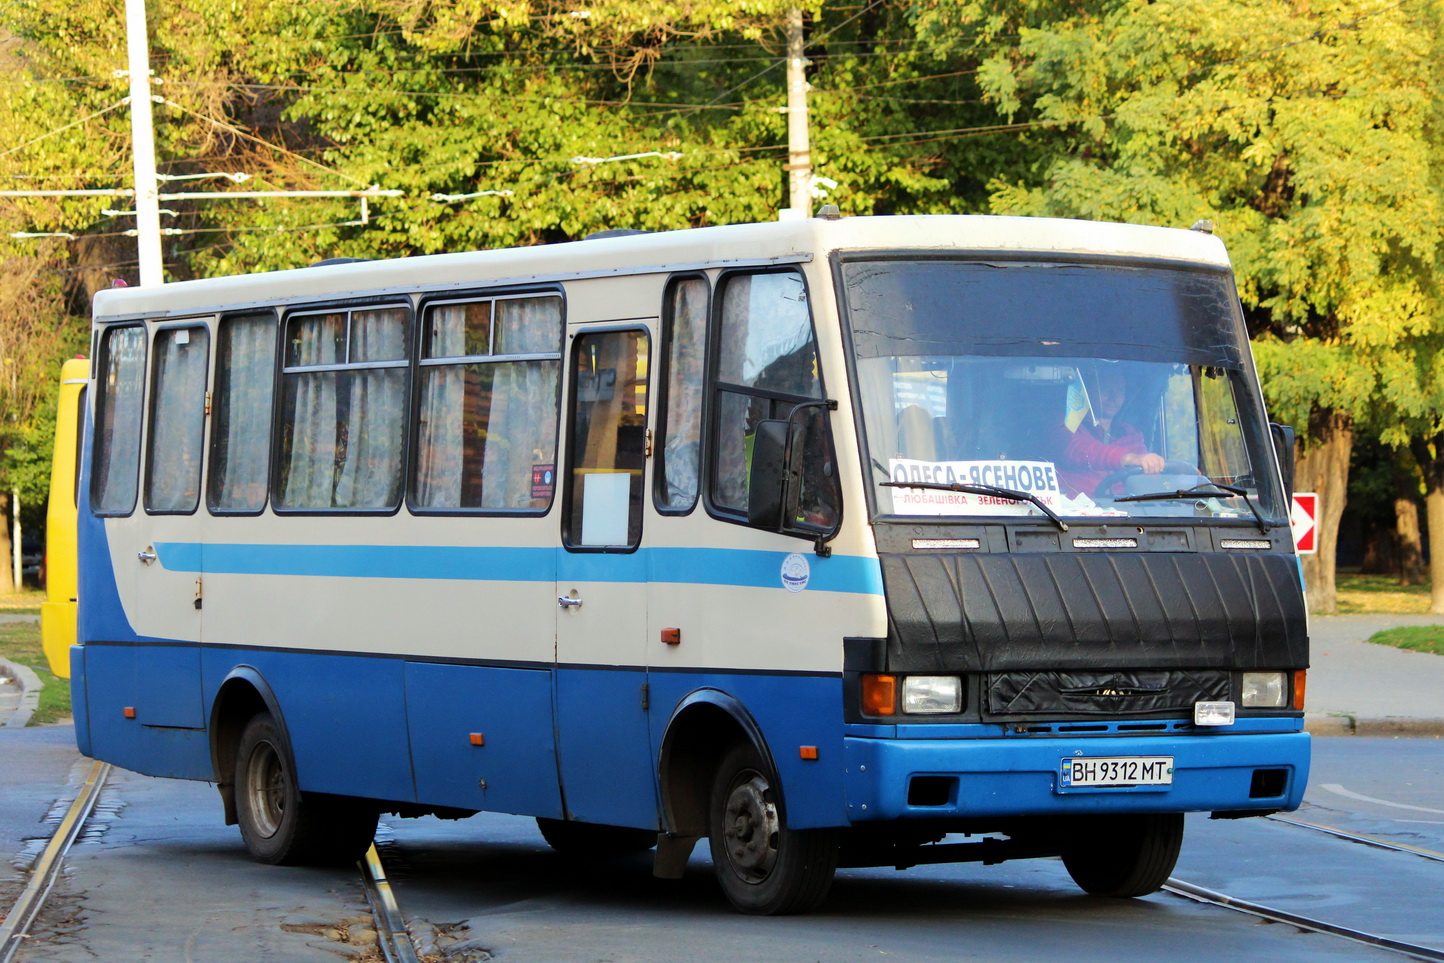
478 738
671 636
807 752
128 712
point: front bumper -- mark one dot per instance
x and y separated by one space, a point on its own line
1000 777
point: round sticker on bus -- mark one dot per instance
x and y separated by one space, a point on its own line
795 572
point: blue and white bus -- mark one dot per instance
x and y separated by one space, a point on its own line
838 542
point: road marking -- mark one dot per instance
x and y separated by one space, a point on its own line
1340 790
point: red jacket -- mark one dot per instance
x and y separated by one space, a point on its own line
1087 459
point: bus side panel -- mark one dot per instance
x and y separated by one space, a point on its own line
345 716
610 772
793 712
482 738
122 684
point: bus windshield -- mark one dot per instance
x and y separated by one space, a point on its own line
1095 389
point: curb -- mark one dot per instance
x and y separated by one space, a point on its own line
1394 726
30 686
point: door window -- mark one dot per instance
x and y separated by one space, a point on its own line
607 448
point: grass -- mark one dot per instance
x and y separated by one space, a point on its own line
20 643
1418 638
1379 594
24 602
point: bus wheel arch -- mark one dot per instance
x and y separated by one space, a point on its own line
242 695
703 728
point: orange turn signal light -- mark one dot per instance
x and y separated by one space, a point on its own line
879 695
1300 683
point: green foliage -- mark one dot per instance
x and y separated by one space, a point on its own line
1304 130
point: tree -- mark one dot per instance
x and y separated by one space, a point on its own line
1303 130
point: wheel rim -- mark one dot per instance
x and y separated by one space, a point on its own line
750 827
266 786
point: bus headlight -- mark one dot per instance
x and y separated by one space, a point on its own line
1265 690
932 693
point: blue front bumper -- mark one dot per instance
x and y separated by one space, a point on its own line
1213 771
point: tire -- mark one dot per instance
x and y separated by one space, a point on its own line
764 868
593 841
1125 856
283 825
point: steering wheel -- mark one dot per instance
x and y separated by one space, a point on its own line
1105 487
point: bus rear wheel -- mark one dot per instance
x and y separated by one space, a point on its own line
764 867
1124 856
593 841
283 825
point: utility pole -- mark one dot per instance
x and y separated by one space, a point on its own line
142 135
799 155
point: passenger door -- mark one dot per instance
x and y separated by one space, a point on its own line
167 541
601 677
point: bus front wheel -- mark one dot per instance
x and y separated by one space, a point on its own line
1124 856
764 867
283 825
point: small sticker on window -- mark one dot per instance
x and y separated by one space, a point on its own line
543 480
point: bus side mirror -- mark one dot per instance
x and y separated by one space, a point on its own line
1283 437
772 489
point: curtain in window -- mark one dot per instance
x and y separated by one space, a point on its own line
369 458
122 385
308 470
178 420
683 420
242 429
439 433
522 433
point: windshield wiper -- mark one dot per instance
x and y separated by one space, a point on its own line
993 490
1199 491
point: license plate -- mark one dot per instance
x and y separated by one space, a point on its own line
1079 772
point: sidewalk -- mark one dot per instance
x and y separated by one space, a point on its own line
19 686
1356 688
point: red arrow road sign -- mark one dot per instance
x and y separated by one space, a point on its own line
1303 519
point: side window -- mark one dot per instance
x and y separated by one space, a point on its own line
766 365
343 409
177 420
241 413
486 424
119 402
679 461
607 445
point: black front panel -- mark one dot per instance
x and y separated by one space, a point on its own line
1100 611
1108 693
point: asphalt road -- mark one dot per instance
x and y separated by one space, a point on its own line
161 879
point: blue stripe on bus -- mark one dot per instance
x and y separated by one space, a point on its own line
707 566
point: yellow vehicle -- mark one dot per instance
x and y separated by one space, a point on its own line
57 612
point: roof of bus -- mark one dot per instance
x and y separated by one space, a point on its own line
783 241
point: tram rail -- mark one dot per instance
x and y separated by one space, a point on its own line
396 946
392 936
1417 951
47 866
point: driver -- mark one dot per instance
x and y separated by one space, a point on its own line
1095 447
